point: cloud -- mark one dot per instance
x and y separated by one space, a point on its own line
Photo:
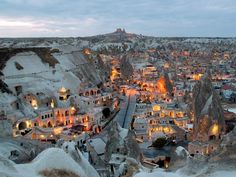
90 17
28 26
15 24
33 2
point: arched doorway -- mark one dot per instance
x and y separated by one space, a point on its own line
49 124
58 113
22 126
171 114
106 112
67 113
34 136
212 137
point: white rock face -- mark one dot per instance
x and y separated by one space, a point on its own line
181 151
162 173
5 128
70 148
52 158
36 75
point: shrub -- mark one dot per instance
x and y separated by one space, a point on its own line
57 173
159 142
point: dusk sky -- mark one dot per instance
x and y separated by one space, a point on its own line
45 18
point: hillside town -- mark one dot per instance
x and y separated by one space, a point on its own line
126 101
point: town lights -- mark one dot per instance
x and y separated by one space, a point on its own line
86 51
86 128
161 85
63 90
86 119
97 130
166 65
197 76
166 164
166 130
72 110
63 93
215 129
52 104
28 124
156 108
57 131
34 104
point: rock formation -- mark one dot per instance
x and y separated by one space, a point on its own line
132 146
223 159
164 84
104 68
126 68
169 85
226 152
208 114
74 152
121 141
5 128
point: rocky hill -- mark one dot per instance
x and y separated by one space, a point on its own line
119 35
121 41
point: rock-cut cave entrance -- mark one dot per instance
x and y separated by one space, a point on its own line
22 126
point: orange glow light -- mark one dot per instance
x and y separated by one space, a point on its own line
156 108
161 85
197 76
87 51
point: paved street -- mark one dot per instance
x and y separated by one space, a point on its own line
124 117
130 111
121 115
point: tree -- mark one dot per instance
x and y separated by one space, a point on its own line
159 142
